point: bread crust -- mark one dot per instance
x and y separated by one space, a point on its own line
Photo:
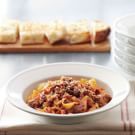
100 31
102 35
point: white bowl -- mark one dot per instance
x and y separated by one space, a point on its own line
127 57
113 82
124 28
124 47
124 38
125 66
126 25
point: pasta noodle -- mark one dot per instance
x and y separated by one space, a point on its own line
67 95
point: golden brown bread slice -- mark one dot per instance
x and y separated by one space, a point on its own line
31 33
78 32
55 31
100 31
9 31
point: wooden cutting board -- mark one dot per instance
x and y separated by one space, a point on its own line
59 47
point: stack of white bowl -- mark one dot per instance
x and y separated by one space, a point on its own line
123 43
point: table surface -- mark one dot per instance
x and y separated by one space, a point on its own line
68 10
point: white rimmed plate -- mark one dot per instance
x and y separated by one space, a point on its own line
113 82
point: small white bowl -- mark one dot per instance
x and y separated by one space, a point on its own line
124 28
125 66
127 57
124 38
19 86
126 25
124 47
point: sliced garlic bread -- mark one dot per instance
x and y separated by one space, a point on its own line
14 24
78 32
9 31
100 31
55 31
31 33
